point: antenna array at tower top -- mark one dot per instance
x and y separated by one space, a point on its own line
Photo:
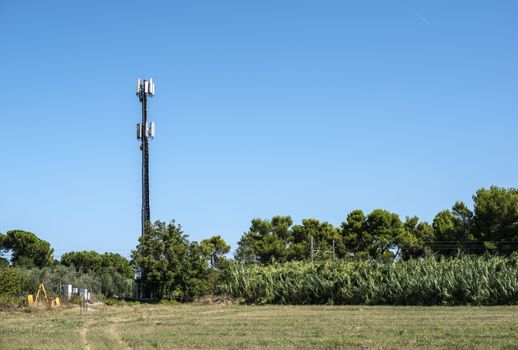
145 87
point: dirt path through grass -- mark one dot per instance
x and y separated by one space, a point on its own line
83 333
112 330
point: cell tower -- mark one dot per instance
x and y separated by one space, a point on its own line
145 131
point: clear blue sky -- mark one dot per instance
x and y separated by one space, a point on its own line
302 108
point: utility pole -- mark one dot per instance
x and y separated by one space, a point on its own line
312 249
145 131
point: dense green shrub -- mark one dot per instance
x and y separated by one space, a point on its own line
171 267
10 281
455 281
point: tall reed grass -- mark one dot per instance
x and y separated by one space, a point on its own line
458 281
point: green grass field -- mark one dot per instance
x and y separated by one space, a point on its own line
262 327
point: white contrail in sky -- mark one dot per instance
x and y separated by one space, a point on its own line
418 15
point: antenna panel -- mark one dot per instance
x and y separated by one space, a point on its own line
151 87
139 131
151 130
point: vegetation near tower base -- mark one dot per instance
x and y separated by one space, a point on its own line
169 266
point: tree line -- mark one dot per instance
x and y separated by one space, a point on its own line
31 262
490 228
166 264
176 268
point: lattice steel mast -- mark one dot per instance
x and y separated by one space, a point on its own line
145 131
